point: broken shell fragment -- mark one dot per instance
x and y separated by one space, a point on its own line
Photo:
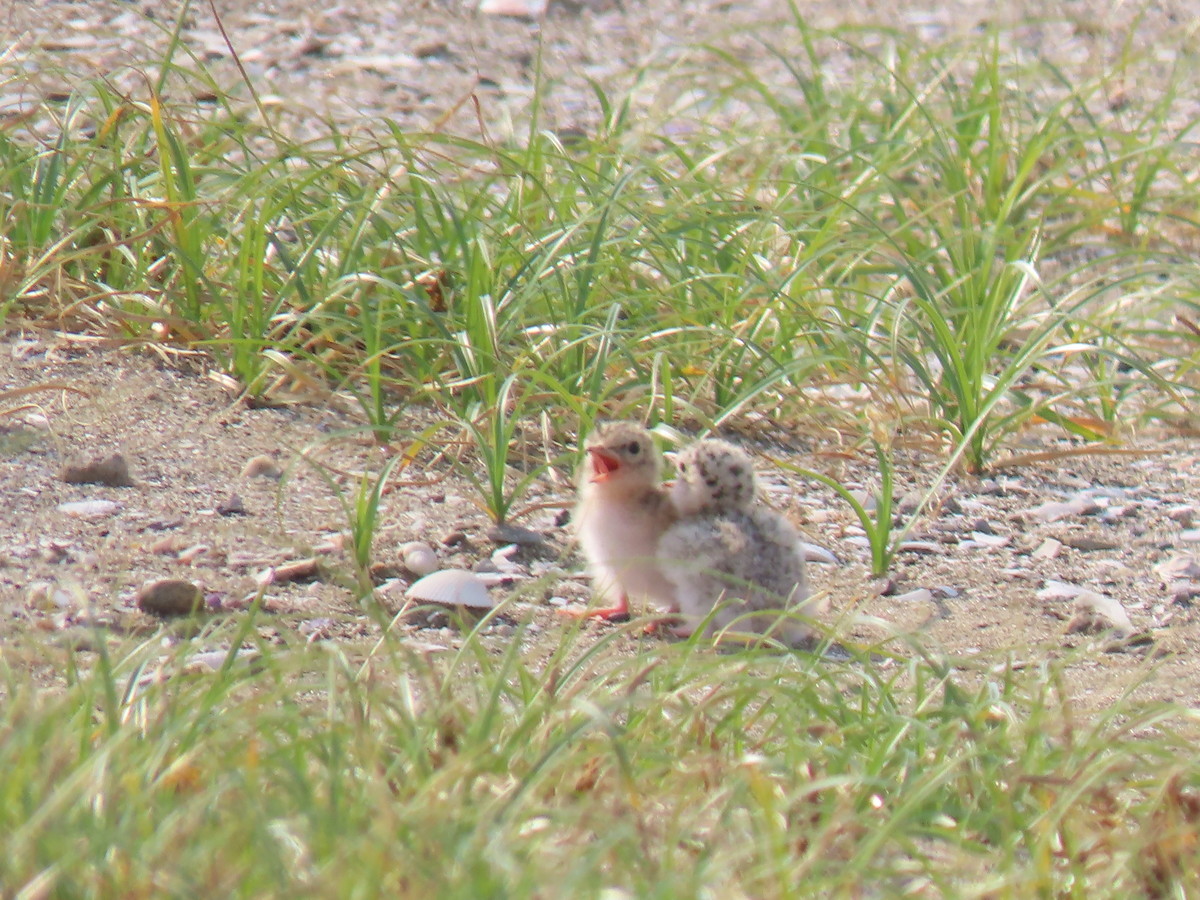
451 587
419 558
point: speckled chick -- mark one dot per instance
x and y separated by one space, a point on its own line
622 512
726 547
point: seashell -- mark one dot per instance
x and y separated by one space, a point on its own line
89 509
817 553
419 558
451 587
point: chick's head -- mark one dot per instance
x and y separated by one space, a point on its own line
621 454
713 476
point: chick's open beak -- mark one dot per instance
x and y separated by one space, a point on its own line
603 464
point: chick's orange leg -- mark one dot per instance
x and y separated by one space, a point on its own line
618 613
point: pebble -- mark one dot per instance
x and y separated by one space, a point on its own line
1184 515
1095 613
1191 535
89 509
1089 544
922 547
1048 549
456 539
1184 592
167 545
1178 568
214 660
920 595
231 506
170 597
1053 510
111 471
945 592
262 467
986 540
319 629
507 533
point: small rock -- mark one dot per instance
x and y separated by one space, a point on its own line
214 660
262 467
1184 592
1095 613
89 509
1088 543
112 471
231 506
945 592
1191 535
920 595
887 587
170 597
507 533
1178 568
1048 549
921 547
168 545
1184 515
319 629
1053 510
456 539
986 540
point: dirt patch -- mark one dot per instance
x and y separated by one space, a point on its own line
986 576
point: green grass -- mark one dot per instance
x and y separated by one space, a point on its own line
967 241
676 772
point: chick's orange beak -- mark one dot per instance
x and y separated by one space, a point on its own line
603 464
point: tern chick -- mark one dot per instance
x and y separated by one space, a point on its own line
729 553
622 512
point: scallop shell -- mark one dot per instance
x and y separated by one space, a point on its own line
419 558
451 587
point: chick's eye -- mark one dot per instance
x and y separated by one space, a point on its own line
634 448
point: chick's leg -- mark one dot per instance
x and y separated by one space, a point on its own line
616 613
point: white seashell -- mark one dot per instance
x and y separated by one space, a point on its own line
451 587
89 509
817 553
419 558
502 560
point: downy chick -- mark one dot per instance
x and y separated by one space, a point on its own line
622 512
727 547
